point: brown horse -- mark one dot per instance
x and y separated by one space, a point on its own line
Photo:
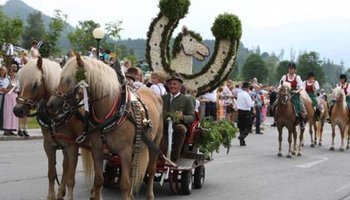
310 114
38 79
285 117
104 91
339 117
319 119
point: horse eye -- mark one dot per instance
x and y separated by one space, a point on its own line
190 39
35 86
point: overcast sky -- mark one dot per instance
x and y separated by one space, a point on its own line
272 24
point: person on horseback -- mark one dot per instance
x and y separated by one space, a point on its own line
180 108
311 86
296 86
346 87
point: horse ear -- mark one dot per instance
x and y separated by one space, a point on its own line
79 60
184 30
39 63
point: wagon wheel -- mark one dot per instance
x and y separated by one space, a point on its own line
173 182
186 182
199 177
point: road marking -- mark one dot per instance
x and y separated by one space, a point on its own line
343 188
313 163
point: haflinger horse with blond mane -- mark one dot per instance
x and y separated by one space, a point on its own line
340 117
114 111
38 79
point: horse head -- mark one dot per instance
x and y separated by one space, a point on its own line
83 75
37 79
284 93
338 95
192 45
66 96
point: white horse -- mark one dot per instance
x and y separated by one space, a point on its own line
187 45
38 79
340 117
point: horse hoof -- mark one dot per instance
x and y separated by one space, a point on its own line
347 147
312 145
299 154
289 156
341 149
319 144
332 148
293 153
279 154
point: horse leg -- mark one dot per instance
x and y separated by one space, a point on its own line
52 173
97 155
72 152
320 130
290 143
333 135
342 132
311 134
279 142
125 183
152 165
316 125
348 134
301 139
294 141
62 188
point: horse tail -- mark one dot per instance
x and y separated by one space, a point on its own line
88 165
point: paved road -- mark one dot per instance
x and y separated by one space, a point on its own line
247 173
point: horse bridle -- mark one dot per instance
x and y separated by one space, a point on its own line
31 103
69 101
284 98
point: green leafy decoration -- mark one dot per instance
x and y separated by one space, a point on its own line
80 75
174 116
227 26
215 134
174 9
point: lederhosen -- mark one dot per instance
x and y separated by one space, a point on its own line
311 92
295 96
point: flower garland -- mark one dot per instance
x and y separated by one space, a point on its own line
227 30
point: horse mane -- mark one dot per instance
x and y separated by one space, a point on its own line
338 91
31 74
102 78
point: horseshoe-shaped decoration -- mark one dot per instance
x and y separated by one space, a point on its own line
227 30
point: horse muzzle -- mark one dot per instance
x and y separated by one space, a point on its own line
21 110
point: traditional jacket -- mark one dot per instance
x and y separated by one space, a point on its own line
180 103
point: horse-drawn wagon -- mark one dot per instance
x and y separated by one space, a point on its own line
182 175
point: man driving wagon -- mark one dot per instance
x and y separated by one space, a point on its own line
180 108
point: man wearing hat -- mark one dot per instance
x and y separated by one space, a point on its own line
180 108
244 106
296 86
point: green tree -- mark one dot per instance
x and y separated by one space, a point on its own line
281 70
10 29
310 62
255 67
35 29
10 32
332 72
81 39
56 26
